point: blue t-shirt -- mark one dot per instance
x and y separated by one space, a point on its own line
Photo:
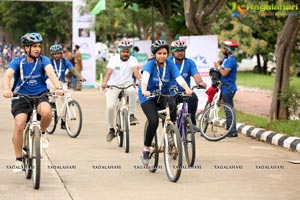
230 79
187 69
34 79
60 70
167 74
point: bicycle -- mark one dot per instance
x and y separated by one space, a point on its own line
31 151
122 118
185 127
70 115
217 119
167 142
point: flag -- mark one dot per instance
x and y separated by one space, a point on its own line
99 7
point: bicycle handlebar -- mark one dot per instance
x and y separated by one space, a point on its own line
19 95
121 88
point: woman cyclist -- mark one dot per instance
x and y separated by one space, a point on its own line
158 74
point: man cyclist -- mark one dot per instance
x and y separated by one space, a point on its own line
60 66
228 69
158 74
119 72
29 72
187 68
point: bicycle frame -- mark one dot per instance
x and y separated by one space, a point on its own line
180 119
121 107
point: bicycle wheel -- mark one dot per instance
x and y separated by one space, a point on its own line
27 161
73 117
36 159
52 126
126 130
173 153
153 156
119 133
189 143
211 124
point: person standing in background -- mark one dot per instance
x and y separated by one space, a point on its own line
78 67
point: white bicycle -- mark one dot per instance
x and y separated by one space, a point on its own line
69 114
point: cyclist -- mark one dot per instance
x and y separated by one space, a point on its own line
119 72
29 72
60 66
187 68
228 69
158 74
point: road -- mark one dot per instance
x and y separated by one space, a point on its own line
88 168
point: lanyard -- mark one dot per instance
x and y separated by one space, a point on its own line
57 72
22 74
181 67
161 78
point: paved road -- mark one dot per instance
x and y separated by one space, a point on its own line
88 168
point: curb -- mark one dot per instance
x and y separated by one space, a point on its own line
291 143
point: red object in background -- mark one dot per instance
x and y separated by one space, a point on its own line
211 93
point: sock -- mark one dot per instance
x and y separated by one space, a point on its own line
43 132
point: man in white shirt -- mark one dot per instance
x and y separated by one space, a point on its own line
119 72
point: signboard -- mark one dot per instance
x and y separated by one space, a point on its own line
84 36
204 51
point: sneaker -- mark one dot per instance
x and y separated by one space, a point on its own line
18 166
111 134
145 157
196 129
133 120
45 142
63 124
232 135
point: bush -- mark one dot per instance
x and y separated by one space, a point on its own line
100 68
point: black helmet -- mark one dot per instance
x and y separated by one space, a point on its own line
158 44
31 38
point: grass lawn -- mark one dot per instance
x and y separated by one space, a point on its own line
262 81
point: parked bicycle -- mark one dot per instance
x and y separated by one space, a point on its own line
122 121
167 141
217 119
69 113
185 127
31 152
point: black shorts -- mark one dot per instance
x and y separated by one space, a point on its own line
25 105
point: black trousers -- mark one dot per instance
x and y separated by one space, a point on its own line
150 109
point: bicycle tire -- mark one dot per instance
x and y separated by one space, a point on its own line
73 119
126 130
211 126
36 160
154 155
52 126
173 152
189 143
119 133
27 161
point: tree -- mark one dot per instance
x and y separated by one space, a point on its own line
284 47
201 14
52 20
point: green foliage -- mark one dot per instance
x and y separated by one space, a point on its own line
52 20
100 68
291 100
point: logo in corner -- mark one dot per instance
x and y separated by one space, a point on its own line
237 10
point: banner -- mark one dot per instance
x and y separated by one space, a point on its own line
204 51
84 36
144 51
